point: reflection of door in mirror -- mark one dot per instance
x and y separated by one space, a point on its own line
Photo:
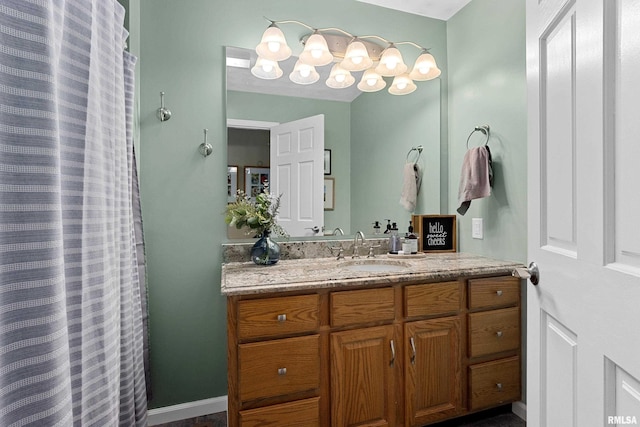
297 166
291 154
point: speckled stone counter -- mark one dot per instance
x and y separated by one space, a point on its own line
241 278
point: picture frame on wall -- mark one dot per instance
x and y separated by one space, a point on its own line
232 183
255 179
327 162
329 194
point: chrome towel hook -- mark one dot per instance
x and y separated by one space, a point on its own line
205 148
485 129
163 113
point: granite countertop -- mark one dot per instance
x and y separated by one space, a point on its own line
241 278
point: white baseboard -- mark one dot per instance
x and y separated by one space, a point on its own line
520 409
183 411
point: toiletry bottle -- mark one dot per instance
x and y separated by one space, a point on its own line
412 238
394 240
388 230
376 227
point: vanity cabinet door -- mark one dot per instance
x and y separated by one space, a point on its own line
433 370
363 375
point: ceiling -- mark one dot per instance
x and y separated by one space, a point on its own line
240 78
438 9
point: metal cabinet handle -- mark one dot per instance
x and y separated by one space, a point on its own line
413 350
282 371
499 293
499 334
499 386
282 317
393 353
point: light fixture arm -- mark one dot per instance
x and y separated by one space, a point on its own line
346 33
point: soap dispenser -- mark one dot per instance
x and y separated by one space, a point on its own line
412 239
394 240
376 227
388 230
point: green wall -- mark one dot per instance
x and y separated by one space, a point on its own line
180 47
487 85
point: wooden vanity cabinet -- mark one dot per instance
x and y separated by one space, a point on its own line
494 370
405 354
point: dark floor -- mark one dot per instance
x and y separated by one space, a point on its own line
499 417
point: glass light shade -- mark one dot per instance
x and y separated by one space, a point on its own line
402 85
425 68
371 82
339 78
356 58
266 69
391 63
273 45
316 52
304 74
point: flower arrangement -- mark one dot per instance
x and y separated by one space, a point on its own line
258 216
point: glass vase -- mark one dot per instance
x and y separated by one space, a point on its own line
265 251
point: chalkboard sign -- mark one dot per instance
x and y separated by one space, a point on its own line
437 232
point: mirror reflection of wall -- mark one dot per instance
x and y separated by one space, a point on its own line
246 148
369 138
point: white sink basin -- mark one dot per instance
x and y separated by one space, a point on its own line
375 266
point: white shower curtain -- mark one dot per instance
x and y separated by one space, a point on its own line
71 337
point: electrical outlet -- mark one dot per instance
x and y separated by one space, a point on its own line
477 231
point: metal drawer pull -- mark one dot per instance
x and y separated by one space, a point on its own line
282 317
413 350
393 353
499 386
499 293
499 334
282 371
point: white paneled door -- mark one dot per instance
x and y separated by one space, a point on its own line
297 172
583 326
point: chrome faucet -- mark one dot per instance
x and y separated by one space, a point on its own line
338 231
359 236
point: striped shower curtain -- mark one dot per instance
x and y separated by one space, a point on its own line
71 338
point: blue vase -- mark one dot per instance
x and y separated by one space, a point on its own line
265 251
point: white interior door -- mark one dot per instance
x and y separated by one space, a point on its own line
583 326
297 172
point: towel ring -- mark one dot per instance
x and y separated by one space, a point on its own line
419 149
484 129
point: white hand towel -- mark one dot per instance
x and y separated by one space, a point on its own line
475 178
411 180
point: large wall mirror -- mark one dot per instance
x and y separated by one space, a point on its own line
369 136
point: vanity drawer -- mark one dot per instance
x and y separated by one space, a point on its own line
494 331
293 414
362 306
432 299
494 383
494 292
278 367
277 316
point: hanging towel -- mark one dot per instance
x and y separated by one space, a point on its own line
411 180
476 177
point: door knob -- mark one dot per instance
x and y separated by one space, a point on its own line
315 229
532 273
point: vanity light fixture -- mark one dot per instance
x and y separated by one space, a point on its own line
304 74
391 63
356 57
402 85
339 77
266 69
371 81
350 53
